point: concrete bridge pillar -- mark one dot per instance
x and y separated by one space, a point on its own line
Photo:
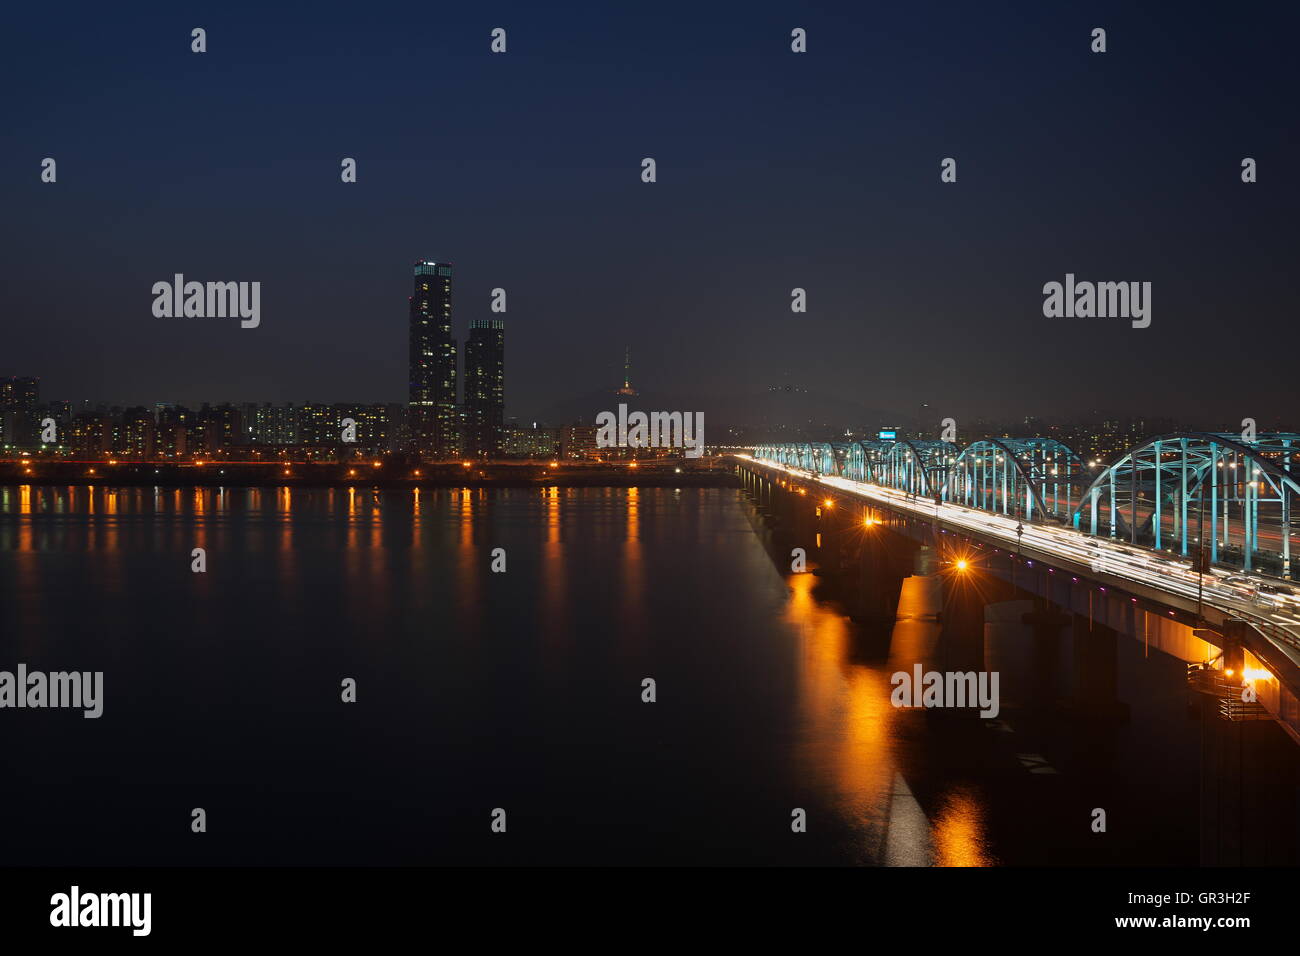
1234 650
835 552
905 552
883 562
966 593
1250 792
927 560
1047 619
1096 671
782 516
798 524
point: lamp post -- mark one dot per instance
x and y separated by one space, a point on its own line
1200 555
1020 533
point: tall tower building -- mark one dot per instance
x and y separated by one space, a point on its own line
19 418
432 396
485 387
627 388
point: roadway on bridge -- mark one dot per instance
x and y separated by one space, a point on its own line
1279 621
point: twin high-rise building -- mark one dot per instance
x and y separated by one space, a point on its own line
441 429
19 419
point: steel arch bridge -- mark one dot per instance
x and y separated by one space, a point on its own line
820 457
992 474
1026 477
1185 490
1170 493
920 467
868 461
824 458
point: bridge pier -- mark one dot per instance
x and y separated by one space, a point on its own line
1250 792
967 592
881 566
1046 618
838 539
756 486
1234 649
798 524
1096 671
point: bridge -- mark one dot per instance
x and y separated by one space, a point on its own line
1184 540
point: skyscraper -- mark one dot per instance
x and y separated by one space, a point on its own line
485 385
19 421
432 395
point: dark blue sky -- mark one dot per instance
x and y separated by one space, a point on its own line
775 170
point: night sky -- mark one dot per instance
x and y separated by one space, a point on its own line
775 170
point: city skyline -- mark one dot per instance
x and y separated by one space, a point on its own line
907 277
765 434
479 431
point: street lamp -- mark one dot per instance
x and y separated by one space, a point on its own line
1020 532
1200 555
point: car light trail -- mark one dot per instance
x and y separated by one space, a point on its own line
1239 597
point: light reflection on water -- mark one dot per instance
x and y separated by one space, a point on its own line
852 735
476 683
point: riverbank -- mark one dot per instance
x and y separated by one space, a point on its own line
649 473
